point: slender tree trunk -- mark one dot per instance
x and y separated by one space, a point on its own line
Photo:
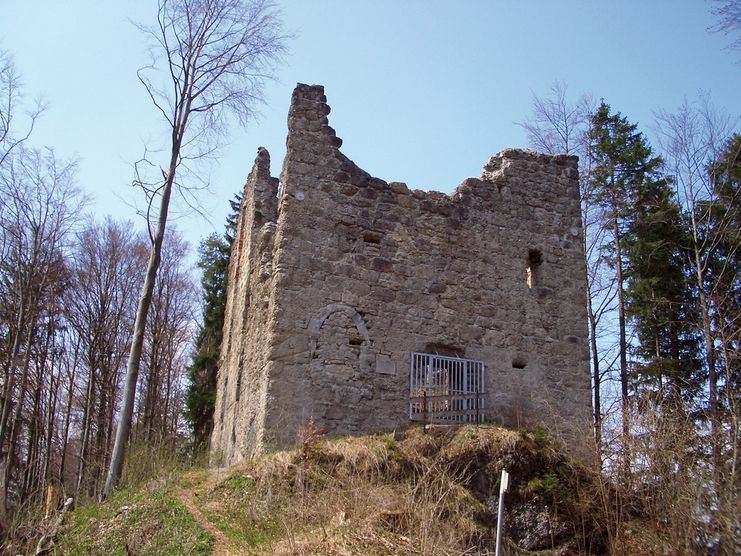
50 421
30 473
710 358
35 432
68 412
706 326
708 340
85 434
50 411
707 335
596 378
65 444
8 393
727 473
15 423
147 411
9 385
165 411
112 385
109 423
99 450
137 340
623 346
657 356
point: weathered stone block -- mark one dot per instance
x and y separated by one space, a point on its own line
385 365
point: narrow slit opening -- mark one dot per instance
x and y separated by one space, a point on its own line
534 260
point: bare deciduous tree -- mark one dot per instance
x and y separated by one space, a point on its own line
106 269
691 139
40 206
703 157
558 125
16 124
215 56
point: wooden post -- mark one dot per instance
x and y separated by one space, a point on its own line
478 418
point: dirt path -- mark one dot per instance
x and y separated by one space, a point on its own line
223 545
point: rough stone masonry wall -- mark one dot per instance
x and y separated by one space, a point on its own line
248 318
332 290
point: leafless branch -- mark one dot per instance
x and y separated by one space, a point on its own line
11 109
728 13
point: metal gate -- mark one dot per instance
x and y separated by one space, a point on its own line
446 389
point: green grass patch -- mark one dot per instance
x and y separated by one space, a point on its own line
233 508
238 484
153 524
253 530
550 487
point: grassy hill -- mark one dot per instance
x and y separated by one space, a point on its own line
413 492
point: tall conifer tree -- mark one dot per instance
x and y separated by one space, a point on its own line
660 302
214 252
622 162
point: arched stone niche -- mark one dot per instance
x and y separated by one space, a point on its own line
339 332
315 324
339 362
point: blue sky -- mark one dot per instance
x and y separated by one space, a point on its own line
422 92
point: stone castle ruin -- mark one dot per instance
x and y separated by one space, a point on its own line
365 305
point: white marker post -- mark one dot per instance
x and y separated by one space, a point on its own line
503 486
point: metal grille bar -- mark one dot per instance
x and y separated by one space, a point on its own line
446 389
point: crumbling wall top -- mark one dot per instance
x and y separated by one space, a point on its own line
308 114
312 141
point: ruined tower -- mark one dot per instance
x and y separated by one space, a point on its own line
363 304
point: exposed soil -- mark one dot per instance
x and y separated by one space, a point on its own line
223 545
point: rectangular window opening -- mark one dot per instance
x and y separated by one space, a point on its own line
372 237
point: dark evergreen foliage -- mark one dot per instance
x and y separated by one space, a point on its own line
646 248
214 252
661 303
621 161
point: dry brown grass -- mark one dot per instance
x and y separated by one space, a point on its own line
428 492
408 493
